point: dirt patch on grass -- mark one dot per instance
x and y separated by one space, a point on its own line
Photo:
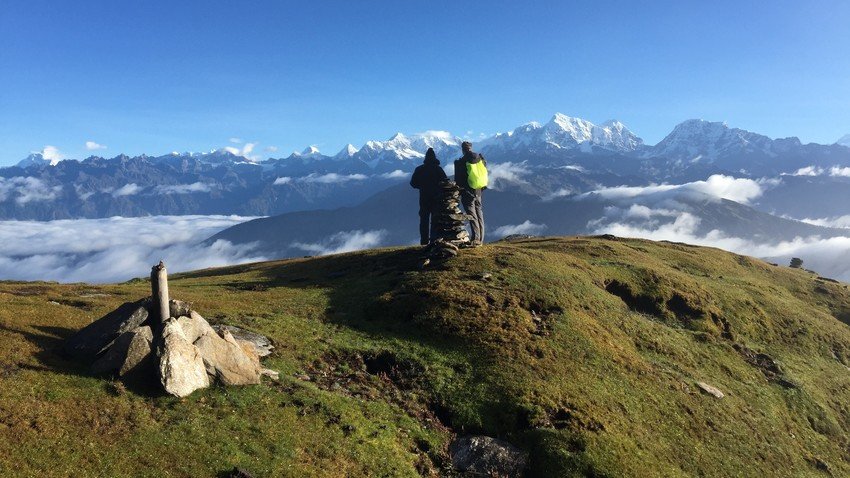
641 303
766 364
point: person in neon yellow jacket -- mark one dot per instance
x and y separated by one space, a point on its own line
471 177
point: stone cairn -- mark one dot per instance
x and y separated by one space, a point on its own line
448 231
164 341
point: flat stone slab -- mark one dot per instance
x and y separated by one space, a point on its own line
262 345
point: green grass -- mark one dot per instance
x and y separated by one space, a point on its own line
583 351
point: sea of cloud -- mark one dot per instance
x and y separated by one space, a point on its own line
114 249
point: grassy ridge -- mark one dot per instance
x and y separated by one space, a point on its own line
584 351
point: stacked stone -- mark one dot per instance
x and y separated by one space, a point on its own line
184 354
448 231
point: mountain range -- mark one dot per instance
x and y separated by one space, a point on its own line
565 156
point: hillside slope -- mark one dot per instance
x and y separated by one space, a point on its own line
587 352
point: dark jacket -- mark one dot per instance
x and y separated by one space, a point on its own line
426 177
461 176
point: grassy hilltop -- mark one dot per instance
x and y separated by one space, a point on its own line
584 351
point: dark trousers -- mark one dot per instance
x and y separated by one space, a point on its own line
471 200
426 229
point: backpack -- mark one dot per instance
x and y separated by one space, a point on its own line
476 175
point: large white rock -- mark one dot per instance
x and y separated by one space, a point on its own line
228 361
194 326
181 367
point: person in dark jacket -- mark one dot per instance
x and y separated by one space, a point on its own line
426 179
469 197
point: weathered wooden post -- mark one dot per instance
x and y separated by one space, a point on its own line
159 293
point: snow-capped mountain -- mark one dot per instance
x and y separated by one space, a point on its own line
36 160
844 140
699 140
565 154
346 153
564 133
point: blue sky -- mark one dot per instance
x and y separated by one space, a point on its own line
154 77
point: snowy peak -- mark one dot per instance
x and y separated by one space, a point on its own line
35 160
347 152
310 150
564 132
700 140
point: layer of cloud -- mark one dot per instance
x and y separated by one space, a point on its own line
92 146
332 178
129 189
345 241
526 227
114 249
828 256
26 189
841 222
397 174
499 174
719 186
197 187
834 171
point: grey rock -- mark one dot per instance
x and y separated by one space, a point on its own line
112 359
181 366
487 456
97 337
227 361
139 356
262 345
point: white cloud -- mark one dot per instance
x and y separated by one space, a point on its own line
808 171
245 151
574 167
235 140
818 171
719 186
127 190
828 256
271 149
842 222
397 174
836 171
345 241
506 173
197 187
332 178
82 192
25 189
558 193
92 146
282 180
526 227
52 154
114 249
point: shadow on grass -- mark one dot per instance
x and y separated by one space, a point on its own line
51 357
